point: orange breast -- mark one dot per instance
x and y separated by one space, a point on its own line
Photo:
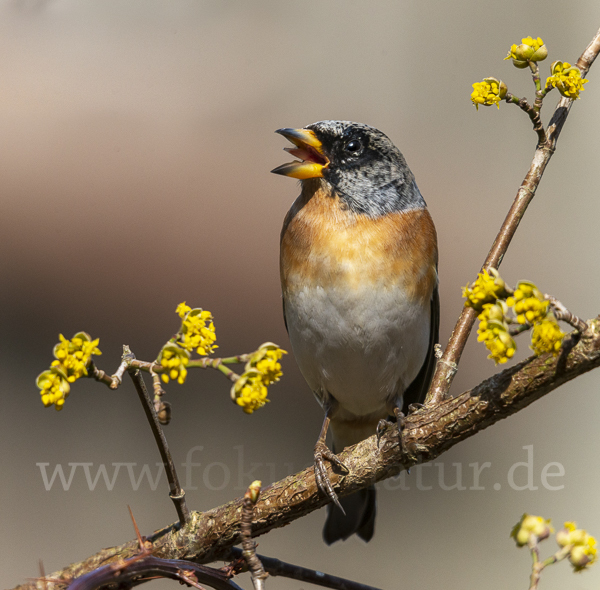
325 244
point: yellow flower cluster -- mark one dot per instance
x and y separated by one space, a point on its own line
266 361
567 79
583 551
262 369
531 310
488 92
486 289
197 330
531 528
493 332
174 359
529 303
54 388
72 359
546 336
529 50
249 391
197 333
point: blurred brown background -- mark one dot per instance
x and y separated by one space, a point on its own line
137 139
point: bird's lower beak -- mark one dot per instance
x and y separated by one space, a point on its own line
309 149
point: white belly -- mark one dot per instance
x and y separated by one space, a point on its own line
362 346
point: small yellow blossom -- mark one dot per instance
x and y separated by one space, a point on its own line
488 287
493 332
197 330
567 79
488 92
249 391
266 361
531 529
528 302
72 360
529 50
174 359
583 551
74 355
182 310
546 336
54 387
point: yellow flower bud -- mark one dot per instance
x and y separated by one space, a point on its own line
530 528
566 79
530 50
488 92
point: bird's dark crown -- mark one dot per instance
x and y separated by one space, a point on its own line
366 169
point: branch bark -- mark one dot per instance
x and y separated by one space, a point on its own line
428 432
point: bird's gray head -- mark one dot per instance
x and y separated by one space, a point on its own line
361 164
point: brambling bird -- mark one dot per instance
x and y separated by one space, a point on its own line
359 281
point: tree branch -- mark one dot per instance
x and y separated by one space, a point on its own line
427 433
448 365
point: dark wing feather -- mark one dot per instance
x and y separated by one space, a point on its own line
416 391
284 318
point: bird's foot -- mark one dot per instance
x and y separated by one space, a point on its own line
383 425
323 482
414 407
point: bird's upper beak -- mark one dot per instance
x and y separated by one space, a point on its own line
309 149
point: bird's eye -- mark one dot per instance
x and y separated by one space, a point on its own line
354 147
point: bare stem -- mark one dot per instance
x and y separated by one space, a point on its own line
205 363
98 374
535 74
533 112
563 314
276 567
538 565
447 366
143 568
255 566
176 493
516 330
117 378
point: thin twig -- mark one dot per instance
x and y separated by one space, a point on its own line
532 112
117 378
113 381
138 570
98 374
218 364
176 492
257 572
446 368
276 567
563 314
516 330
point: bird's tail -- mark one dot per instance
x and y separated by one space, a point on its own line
360 509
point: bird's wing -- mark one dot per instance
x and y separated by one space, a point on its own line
416 391
284 317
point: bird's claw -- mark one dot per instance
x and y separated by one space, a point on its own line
321 476
382 426
415 407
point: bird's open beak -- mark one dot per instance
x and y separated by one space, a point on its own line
309 149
